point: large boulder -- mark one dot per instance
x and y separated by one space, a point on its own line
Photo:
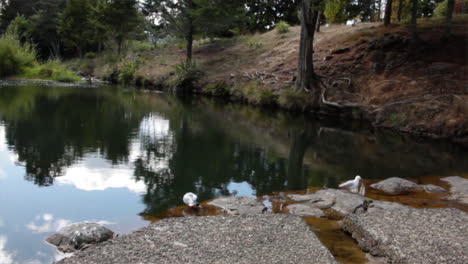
396 186
239 205
407 235
259 239
76 236
458 188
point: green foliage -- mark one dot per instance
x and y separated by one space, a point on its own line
14 56
293 100
51 70
141 46
335 11
188 76
20 27
282 27
74 26
262 96
441 9
127 72
218 89
90 55
254 44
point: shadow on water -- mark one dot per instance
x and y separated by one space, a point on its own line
173 146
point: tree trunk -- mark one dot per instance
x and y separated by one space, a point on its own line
400 9
80 52
413 27
189 33
379 10
388 12
319 18
307 80
448 26
119 46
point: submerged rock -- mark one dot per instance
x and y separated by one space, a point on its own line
458 188
412 236
396 186
75 236
238 205
430 188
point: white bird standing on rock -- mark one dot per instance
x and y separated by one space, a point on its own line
190 199
353 185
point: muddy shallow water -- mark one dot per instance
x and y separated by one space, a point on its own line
125 158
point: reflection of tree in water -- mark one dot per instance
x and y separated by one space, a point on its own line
58 132
204 162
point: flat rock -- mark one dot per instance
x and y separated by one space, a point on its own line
268 238
413 236
458 188
396 186
305 210
77 235
238 205
431 188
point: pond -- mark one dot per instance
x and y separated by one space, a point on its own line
122 158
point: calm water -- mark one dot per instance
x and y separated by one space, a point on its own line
70 155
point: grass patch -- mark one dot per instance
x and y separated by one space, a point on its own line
291 99
397 119
282 27
51 70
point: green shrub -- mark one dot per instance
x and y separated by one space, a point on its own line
441 9
282 27
254 44
141 46
14 56
258 95
90 55
188 76
335 11
293 100
127 73
51 70
218 89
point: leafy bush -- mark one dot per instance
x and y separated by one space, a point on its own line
293 100
51 70
335 11
14 56
460 7
127 73
254 44
259 95
282 27
90 55
218 89
188 75
141 46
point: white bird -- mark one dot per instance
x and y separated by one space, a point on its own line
353 185
190 199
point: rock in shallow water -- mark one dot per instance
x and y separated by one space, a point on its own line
239 205
412 236
458 188
75 236
305 210
396 186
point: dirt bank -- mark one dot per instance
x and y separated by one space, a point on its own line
423 91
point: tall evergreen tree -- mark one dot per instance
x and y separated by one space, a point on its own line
74 26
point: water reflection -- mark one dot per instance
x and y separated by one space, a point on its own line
114 155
